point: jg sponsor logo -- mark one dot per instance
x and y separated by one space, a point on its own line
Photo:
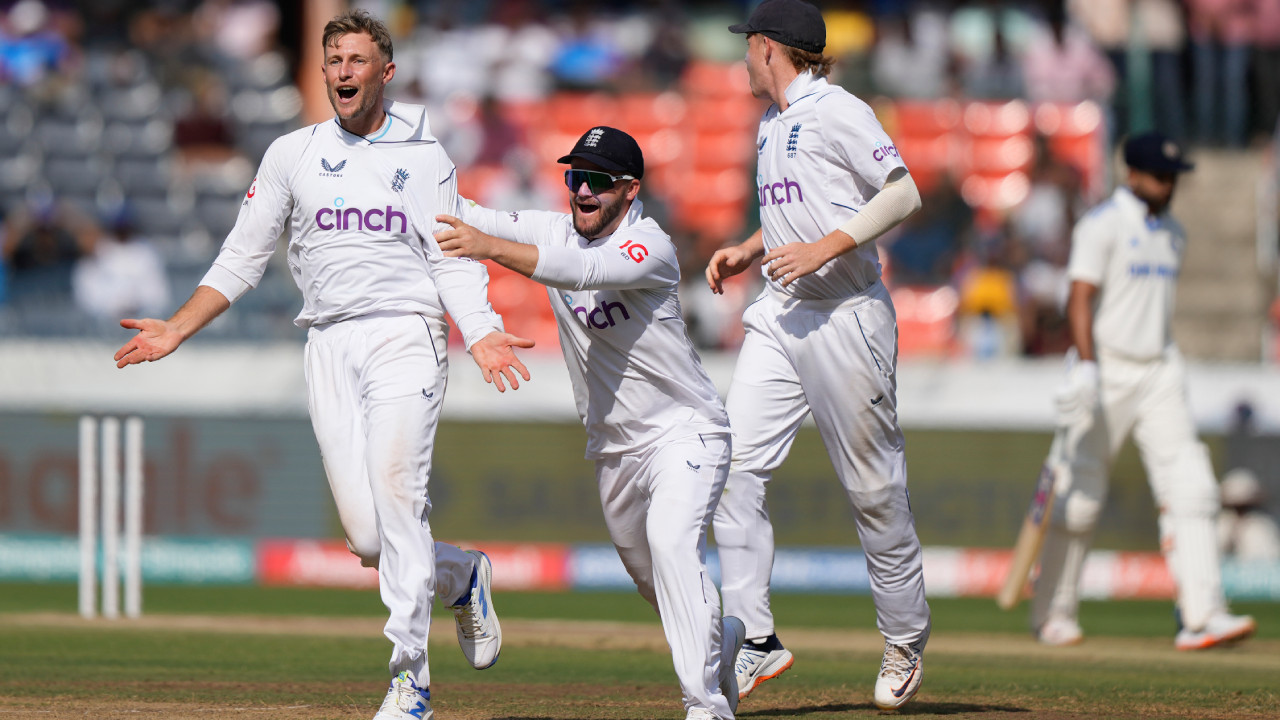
778 193
884 152
634 251
602 316
339 217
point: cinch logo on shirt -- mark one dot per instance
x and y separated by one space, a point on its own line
373 220
779 192
604 311
883 152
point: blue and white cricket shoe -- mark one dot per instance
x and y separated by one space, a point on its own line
900 673
405 700
479 633
732 634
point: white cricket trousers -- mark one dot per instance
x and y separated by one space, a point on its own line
1147 397
657 505
374 388
838 360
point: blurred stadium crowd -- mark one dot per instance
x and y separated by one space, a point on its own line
130 130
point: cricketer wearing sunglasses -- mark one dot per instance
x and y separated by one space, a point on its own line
655 424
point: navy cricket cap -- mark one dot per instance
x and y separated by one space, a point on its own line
1153 152
611 149
790 22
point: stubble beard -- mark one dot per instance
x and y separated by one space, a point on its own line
368 97
590 227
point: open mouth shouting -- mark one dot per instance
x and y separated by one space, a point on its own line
587 207
346 95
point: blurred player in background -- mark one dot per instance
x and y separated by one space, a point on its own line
375 288
1126 374
1246 531
655 424
821 338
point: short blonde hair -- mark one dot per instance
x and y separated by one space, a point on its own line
357 21
805 61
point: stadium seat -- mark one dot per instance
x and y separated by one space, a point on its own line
575 113
923 118
996 155
650 112
926 320
74 175
716 79
999 191
718 114
723 150
997 119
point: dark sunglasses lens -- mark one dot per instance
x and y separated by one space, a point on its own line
596 181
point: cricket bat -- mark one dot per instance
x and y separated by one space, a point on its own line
1034 527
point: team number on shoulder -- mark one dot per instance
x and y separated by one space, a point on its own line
634 251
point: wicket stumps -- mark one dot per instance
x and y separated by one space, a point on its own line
108 462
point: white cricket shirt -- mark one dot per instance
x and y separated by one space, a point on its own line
355 245
1134 260
636 377
820 161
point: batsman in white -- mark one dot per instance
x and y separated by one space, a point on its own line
821 338
655 425
375 288
1126 374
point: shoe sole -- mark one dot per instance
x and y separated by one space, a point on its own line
486 569
1219 640
760 680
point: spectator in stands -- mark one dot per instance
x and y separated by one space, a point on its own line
1107 22
1245 530
1165 34
43 241
521 73
1266 60
996 77
588 56
124 276
911 55
203 134
29 48
925 251
240 29
1061 64
1220 41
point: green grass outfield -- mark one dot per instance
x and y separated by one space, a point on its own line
1128 618
108 669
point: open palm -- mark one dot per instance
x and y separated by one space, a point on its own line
155 339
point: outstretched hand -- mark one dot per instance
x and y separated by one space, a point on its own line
155 339
495 354
462 240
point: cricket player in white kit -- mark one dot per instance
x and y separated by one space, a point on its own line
1127 375
821 339
375 287
655 424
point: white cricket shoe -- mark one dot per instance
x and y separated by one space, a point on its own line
900 673
1222 628
479 633
1060 631
405 700
732 634
700 714
760 661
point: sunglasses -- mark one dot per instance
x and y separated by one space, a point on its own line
597 182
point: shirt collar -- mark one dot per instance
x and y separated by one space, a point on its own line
404 123
806 83
1125 198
